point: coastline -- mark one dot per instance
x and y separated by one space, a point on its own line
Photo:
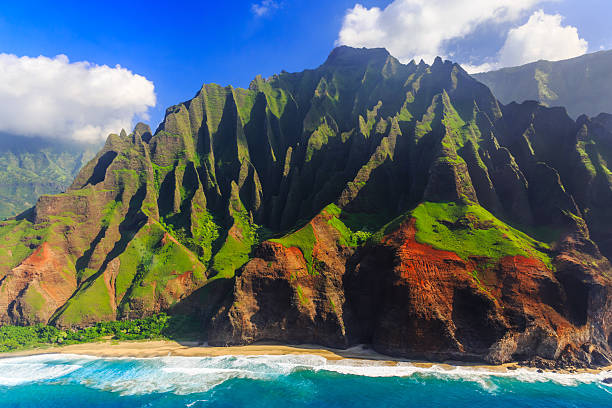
168 348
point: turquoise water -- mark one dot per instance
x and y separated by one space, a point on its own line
281 381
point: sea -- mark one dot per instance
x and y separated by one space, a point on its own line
60 380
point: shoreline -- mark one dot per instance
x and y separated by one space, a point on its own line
169 348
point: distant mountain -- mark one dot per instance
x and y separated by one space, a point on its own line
31 167
364 201
583 85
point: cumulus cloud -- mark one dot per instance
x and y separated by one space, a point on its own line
263 8
542 37
52 97
419 28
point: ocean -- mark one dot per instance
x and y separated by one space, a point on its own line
56 380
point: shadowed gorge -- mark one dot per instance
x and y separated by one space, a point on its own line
363 201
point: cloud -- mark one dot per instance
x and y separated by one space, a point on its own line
264 8
485 67
420 28
542 37
52 97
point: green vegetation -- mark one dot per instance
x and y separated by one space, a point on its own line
17 238
276 97
303 239
481 287
148 266
88 304
205 231
359 222
318 139
582 84
30 168
470 230
160 326
235 250
110 211
304 301
200 239
159 172
425 125
233 254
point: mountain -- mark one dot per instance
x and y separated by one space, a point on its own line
30 167
365 201
582 84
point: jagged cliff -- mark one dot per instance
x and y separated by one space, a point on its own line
363 201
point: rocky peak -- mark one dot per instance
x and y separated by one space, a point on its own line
345 56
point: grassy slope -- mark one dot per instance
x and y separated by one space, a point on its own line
469 230
353 231
17 238
236 248
304 239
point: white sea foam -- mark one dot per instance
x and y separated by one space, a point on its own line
461 372
187 375
20 370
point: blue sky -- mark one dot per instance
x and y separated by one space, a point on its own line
180 45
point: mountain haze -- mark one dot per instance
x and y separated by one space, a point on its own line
365 201
30 167
582 85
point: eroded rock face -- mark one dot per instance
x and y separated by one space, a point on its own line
409 299
278 296
33 291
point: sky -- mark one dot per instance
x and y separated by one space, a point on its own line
81 70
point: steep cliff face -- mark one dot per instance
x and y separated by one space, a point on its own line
363 201
474 289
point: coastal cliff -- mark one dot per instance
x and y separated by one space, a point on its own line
365 201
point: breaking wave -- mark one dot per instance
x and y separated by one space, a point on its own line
187 375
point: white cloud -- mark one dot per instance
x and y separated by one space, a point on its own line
420 28
542 37
52 97
475 69
263 8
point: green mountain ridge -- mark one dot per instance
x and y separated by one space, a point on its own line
31 167
282 210
582 84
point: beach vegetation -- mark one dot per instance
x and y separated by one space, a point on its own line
157 327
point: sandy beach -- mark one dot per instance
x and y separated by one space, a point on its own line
164 348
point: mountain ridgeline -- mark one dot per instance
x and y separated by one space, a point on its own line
30 167
365 201
582 84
